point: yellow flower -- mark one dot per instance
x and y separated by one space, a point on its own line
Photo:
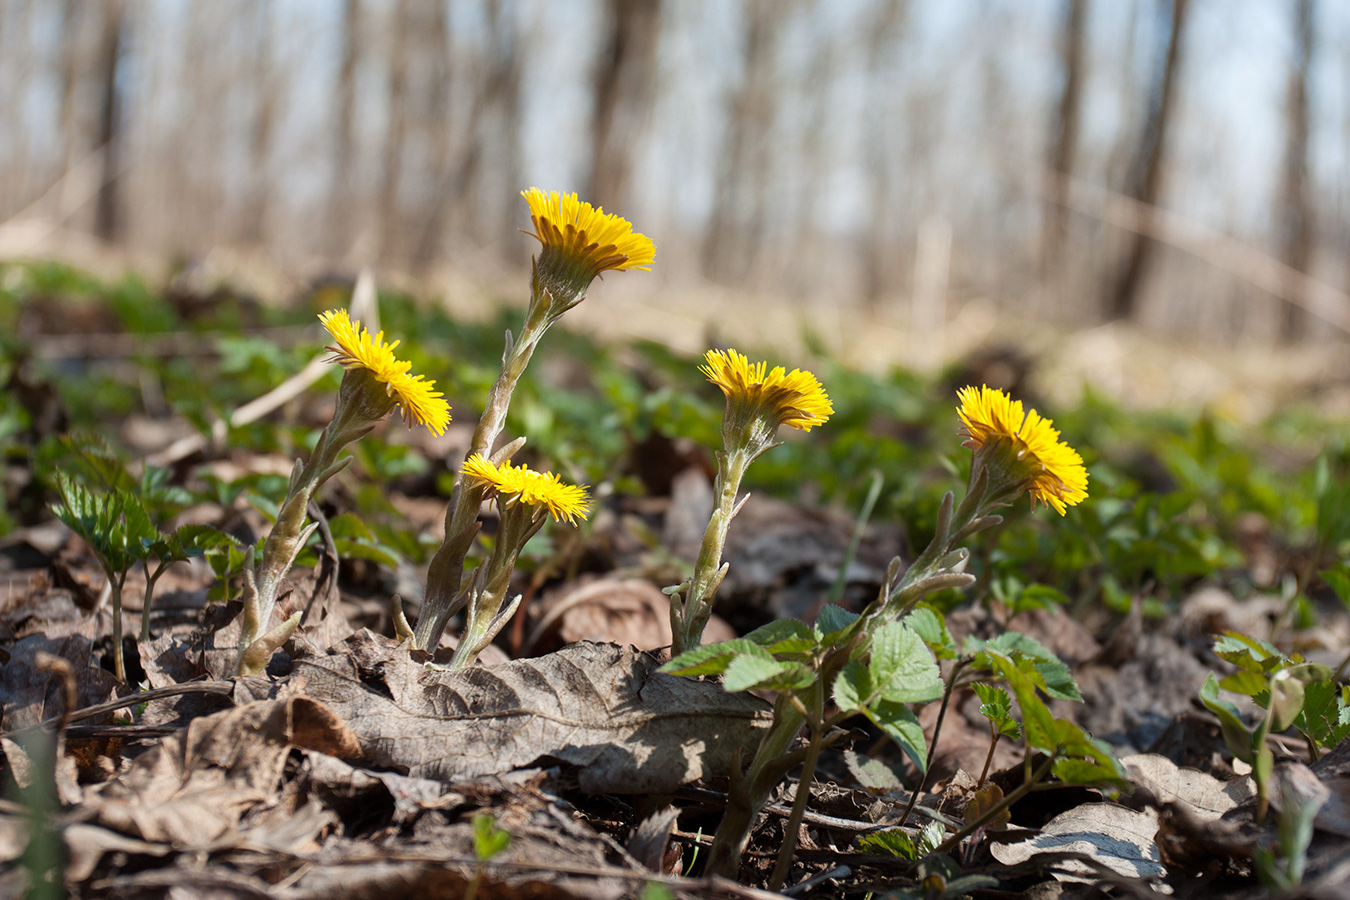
537 489
794 398
585 239
1058 478
357 349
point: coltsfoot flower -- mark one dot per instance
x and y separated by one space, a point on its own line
1053 470
521 484
357 349
579 242
793 398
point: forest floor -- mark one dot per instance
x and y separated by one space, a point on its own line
568 765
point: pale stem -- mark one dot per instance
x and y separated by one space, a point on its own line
446 571
690 615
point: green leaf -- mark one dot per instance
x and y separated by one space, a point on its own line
929 624
902 667
1286 700
784 636
900 843
852 686
1247 653
752 672
901 726
1235 733
996 706
1037 720
1051 674
1338 579
831 622
488 839
710 659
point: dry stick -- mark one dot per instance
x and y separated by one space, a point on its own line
937 730
91 712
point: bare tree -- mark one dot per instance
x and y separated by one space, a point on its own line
436 119
623 83
395 127
342 201
1147 176
1064 132
1296 212
885 30
108 208
731 238
266 97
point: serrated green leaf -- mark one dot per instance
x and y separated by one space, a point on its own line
1022 677
852 686
752 672
901 726
1048 672
902 667
710 659
784 636
831 622
929 624
1246 683
1247 653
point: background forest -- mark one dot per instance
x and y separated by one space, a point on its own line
1179 163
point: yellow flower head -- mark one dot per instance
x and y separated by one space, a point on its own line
793 398
579 242
538 489
357 349
1058 478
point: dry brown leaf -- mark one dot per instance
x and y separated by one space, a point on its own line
602 708
1205 797
1117 837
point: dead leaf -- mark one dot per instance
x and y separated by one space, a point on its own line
624 611
602 708
1117 837
1205 797
193 789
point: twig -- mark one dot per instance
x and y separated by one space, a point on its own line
222 688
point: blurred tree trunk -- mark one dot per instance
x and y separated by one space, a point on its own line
395 127
72 13
266 94
1147 175
341 202
437 119
1064 136
108 206
743 174
489 170
1296 205
881 42
624 82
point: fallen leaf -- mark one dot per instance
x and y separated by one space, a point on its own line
1204 796
1117 837
605 709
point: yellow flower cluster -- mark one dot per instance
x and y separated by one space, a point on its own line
795 398
538 489
989 415
586 236
357 349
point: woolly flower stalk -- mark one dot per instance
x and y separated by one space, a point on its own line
525 499
375 381
579 242
1021 448
760 400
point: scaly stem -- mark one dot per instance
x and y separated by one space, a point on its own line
689 614
119 661
446 571
748 798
